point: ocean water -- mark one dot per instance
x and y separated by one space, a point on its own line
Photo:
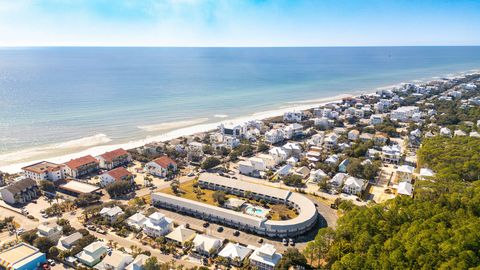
59 100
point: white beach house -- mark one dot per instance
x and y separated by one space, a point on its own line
160 166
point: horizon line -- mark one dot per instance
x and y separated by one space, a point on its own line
159 46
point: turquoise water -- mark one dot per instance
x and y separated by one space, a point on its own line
62 94
255 211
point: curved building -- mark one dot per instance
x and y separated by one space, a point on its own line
305 220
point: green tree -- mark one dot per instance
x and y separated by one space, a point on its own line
118 188
292 257
47 186
210 162
219 197
151 264
293 180
43 244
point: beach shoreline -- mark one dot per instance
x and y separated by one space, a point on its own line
12 162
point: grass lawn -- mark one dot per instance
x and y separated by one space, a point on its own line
186 188
279 210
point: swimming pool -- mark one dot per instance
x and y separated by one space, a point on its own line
256 211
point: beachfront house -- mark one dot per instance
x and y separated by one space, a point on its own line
293 116
330 141
338 180
44 170
138 262
317 139
278 154
292 149
405 173
332 160
274 136
268 160
235 130
391 153
376 119
206 245
180 235
161 167
20 191
403 114
111 214
380 138
136 221
342 167
67 242
245 167
51 231
353 135
446 132
293 131
318 175
405 188
353 185
81 166
235 253
92 254
157 225
265 257
113 159
115 260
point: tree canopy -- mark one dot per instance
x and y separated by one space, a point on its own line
210 162
438 229
455 158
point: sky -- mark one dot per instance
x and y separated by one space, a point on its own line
239 23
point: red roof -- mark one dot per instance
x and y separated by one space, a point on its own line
110 156
75 163
164 161
119 173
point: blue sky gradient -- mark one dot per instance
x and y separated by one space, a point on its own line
239 22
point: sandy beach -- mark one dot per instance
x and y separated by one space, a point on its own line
98 144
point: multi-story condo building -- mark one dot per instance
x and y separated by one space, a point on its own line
44 170
81 166
113 159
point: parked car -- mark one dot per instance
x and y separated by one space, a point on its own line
206 224
260 240
51 262
101 231
285 242
91 227
44 215
191 174
220 229
236 233
291 242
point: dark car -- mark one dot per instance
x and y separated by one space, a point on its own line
206 224
220 229
236 233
